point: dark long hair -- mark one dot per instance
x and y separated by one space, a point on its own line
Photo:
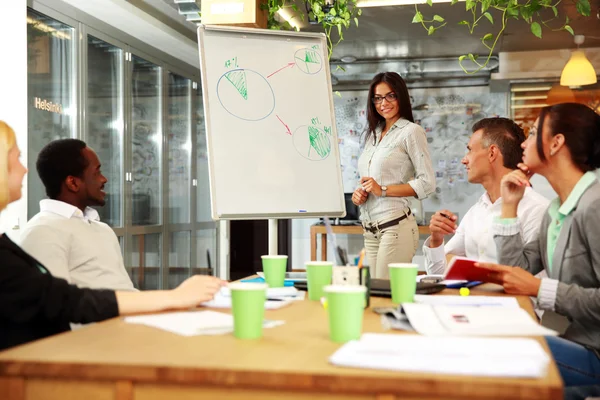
580 126
398 86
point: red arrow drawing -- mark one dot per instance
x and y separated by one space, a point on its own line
290 64
284 124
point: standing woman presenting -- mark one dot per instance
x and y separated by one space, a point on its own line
395 164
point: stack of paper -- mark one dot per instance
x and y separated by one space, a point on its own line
467 320
191 323
276 298
524 358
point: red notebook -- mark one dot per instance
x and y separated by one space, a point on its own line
462 268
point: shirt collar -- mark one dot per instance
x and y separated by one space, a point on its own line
67 210
485 198
401 123
557 210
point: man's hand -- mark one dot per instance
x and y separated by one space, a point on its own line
442 223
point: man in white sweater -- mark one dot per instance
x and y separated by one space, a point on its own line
67 235
494 150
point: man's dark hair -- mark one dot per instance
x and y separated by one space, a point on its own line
504 133
58 160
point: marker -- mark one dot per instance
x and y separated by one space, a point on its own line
301 211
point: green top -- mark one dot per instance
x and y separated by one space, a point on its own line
559 212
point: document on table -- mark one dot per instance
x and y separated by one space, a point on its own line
478 301
191 323
276 298
442 320
491 357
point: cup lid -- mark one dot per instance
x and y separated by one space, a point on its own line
273 256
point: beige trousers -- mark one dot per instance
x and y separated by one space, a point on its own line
396 244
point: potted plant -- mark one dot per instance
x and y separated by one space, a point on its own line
536 13
333 15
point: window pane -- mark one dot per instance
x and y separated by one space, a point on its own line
180 148
146 261
179 258
51 100
105 121
206 248
203 188
147 143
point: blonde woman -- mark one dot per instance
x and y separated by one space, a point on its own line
34 304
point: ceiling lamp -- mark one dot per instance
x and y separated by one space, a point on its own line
579 70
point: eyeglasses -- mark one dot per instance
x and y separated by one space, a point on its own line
388 97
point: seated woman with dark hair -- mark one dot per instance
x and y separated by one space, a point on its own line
564 147
34 304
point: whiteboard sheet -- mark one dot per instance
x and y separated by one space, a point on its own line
271 133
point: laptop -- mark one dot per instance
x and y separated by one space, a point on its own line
381 287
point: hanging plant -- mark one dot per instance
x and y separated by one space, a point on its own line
531 11
334 15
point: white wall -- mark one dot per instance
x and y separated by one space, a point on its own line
13 95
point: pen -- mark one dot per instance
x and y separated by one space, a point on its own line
446 216
361 259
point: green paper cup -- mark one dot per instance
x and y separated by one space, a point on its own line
403 281
318 274
248 306
274 269
345 305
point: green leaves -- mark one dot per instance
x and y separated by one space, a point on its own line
430 3
417 18
536 29
487 37
489 17
569 29
471 4
438 18
431 30
583 7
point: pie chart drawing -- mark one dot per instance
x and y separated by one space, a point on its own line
312 143
246 94
308 61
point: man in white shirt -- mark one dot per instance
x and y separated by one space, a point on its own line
67 235
494 150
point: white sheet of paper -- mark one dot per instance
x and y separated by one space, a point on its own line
191 323
442 320
487 301
221 301
517 358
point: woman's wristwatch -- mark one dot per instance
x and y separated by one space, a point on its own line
383 191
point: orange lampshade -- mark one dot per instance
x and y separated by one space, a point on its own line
560 94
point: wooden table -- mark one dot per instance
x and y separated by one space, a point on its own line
118 361
342 230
